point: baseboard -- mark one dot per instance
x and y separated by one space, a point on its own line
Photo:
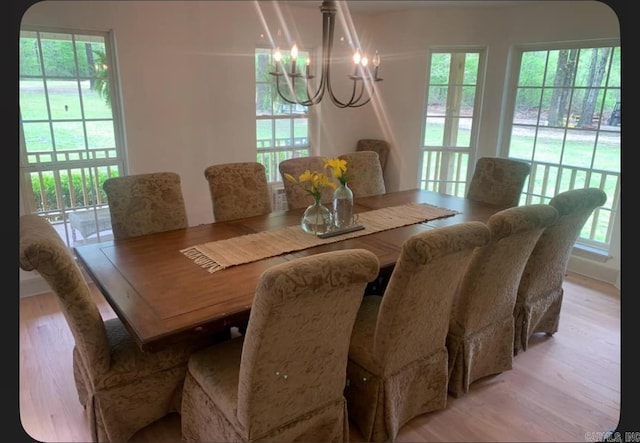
594 269
33 286
31 283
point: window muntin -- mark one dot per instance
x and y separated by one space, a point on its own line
69 132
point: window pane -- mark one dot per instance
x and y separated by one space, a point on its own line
94 105
100 134
439 74
532 68
64 100
608 155
29 54
434 132
264 133
68 135
37 136
283 132
548 148
263 99
33 102
58 55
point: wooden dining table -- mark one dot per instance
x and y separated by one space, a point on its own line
162 297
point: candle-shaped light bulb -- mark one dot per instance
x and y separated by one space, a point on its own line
308 63
376 63
277 56
376 59
356 61
357 57
294 56
364 61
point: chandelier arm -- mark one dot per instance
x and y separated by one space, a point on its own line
328 43
362 88
354 102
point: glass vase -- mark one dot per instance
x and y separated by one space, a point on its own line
316 218
342 206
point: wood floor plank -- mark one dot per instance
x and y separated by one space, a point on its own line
560 389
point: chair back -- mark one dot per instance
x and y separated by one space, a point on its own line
296 196
364 173
238 190
413 319
382 147
145 204
547 264
488 288
296 344
42 250
498 181
541 283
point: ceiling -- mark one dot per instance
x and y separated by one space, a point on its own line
381 6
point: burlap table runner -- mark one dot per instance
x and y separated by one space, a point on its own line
217 255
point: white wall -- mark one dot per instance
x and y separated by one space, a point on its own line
186 74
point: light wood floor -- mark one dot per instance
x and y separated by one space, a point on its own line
564 388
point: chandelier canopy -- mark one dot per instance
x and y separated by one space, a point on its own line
363 79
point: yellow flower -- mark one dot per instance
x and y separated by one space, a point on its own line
339 169
311 182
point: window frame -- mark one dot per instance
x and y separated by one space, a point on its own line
531 193
447 158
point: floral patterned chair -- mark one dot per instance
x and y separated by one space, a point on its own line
364 173
382 147
145 203
480 337
498 181
296 196
397 365
540 291
238 190
284 379
121 388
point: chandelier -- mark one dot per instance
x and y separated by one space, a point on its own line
362 78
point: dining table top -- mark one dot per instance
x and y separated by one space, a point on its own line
163 297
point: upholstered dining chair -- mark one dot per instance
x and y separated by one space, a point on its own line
540 292
297 197
145 204
382 147
121 388
397 366
284 379
498 181
364 173
480 337
238 190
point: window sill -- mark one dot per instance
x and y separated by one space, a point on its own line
590 253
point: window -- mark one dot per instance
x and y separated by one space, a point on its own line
448 138
70 138
282 129
566 123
